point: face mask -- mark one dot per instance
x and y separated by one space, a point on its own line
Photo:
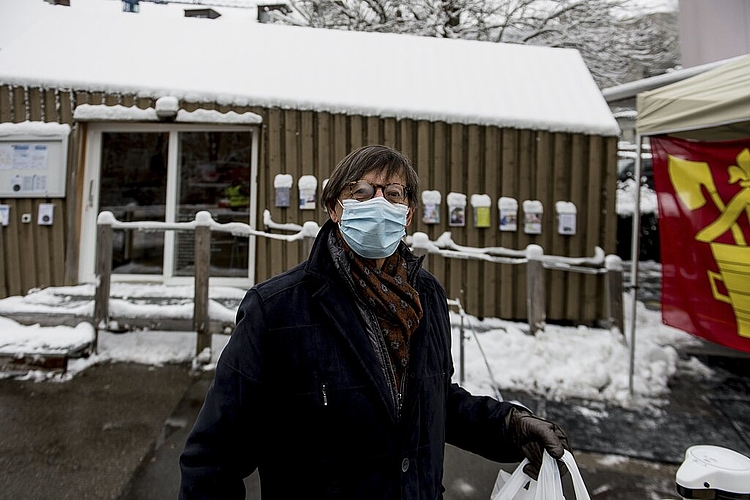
373 228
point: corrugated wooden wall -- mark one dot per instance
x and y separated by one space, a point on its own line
468 159
33 255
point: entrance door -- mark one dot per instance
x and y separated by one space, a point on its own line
169 173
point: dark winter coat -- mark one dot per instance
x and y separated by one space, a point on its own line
300 395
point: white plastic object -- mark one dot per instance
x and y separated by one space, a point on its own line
4 215
713 469
508 213
46 215
307 185
547 487
566 217
533 210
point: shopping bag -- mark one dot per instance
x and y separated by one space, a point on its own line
547 487
516 486
579 487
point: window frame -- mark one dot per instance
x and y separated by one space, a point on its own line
91 189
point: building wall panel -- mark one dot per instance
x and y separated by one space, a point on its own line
468 159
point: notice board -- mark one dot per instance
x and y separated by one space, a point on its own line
32 161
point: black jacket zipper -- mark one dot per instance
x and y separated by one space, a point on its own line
324 393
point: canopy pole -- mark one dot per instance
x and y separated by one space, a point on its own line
635 253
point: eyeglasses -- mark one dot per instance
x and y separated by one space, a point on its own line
363 190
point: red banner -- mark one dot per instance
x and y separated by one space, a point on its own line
704 225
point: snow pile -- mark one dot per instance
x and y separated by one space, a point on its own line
145 347
572 362
37 339
128 300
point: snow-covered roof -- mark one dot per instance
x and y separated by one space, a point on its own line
94 46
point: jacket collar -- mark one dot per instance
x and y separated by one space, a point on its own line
320 264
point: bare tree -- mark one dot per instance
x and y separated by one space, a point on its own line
616 45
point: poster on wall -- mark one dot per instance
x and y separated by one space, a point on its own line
4 215
532 216
703 189
566 217
282 185
307 185
508 208
456 209
431 207
481 203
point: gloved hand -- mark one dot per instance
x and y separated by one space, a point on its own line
532 435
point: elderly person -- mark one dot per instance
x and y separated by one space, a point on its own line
336 382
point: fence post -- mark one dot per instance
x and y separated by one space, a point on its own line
615 314
307 243
202 265
3 289
535 289
420 244
309 232
103 272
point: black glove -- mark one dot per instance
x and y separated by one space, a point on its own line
532 435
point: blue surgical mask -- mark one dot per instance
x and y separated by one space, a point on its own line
373 228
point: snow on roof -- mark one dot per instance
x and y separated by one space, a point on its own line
234 60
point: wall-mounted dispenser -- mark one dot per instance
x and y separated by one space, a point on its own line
481 203
282 185
307 184
508 208
431 207
456 209
566 217
532 216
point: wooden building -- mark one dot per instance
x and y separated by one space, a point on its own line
170 117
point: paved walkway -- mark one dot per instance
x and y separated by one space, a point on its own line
101 436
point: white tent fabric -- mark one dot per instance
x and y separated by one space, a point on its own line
711 106
714 105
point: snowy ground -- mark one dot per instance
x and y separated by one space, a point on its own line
559 363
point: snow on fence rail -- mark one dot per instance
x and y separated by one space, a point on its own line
535 260
203 225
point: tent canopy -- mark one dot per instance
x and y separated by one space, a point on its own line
714 105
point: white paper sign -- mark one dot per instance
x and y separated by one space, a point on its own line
532 216
4 215
508 213
307 185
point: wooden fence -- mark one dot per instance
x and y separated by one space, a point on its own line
533 257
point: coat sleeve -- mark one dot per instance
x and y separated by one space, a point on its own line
223 446
473 423
477 424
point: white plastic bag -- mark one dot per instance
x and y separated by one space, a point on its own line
547 487
523 486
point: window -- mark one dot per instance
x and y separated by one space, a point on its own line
169 173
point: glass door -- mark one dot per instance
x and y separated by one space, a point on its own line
214 176
134 188
169 173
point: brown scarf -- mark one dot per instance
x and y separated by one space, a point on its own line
394 301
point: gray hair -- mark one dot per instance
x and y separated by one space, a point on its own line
364 160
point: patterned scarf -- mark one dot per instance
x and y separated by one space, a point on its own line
394 301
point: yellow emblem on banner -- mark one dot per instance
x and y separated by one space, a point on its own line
689 178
